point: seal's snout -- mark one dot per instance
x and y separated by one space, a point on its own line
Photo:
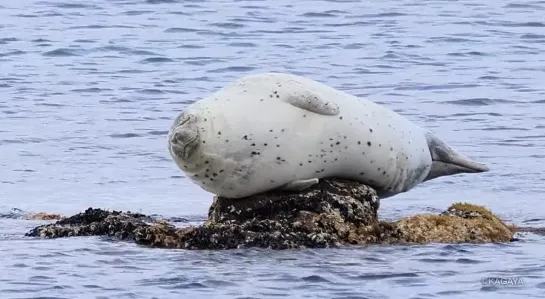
179 138
184 138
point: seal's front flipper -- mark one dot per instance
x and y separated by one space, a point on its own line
312 103
299 185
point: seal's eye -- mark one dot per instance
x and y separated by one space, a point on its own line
182 119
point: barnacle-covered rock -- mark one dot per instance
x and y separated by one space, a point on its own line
334 212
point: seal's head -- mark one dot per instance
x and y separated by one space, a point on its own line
183 137
447 161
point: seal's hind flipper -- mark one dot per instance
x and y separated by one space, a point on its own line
299 185
313 103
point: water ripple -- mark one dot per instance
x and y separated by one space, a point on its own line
90 90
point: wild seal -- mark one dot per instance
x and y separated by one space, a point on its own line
282 131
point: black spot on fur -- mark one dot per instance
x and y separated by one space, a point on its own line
264 144
369 143
370 130
245 137
219 132
253 144
338 142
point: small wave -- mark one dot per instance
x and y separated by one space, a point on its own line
150 91
91 90
532 36
12 53
41 40
161 1
61 52
314 278
156 60
521 5
158 133
489 77
97 26
448 39
51 104
228 25
124 135
470 53
237 69
318 15
182 30
479 102
524 24
137 12
112 48
242 45
85 41
5 40
189 46
385 276
73 5
468 261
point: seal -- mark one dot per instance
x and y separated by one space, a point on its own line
282 131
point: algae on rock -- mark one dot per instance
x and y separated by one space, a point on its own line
332 213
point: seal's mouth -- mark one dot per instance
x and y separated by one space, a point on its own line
177 151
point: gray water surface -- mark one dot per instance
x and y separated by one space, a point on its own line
88 90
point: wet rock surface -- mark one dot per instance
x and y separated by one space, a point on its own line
332 213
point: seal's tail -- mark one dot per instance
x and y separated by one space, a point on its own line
447 161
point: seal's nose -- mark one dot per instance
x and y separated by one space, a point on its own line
179 137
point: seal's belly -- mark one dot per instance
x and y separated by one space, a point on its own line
261 142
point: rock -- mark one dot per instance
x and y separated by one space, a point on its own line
332 213
16 213
44 216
